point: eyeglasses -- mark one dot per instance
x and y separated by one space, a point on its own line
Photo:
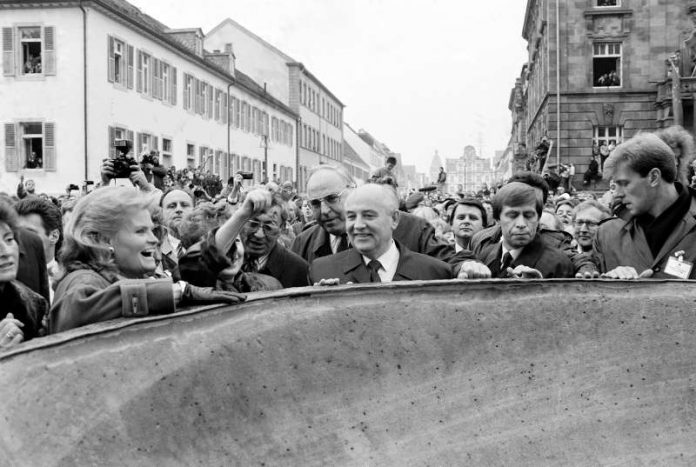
269 228
330 199
590 224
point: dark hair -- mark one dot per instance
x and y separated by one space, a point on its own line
8 215
50 215
391 160
643 153
534 180
516 194
49 212
470 202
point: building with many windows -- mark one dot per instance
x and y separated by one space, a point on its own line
320 125
589 82
469 173
77 76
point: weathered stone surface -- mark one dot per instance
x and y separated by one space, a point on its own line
452 373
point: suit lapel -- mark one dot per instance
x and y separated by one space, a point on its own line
493 257
275 262
530 254
354 268
321 245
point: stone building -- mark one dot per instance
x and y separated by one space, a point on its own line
590 81
469 173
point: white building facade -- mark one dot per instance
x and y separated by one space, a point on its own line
320 126
74 79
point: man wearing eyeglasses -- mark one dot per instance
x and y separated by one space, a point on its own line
327 189
372 214
258 222
586 219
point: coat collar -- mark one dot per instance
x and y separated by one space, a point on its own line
354 266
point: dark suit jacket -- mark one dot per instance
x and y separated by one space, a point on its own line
289 268
413 232
32 263
348 266
551 262
555 239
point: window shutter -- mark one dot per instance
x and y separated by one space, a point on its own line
49 66
211 101
139 136
196 96
49 147
131 53
110 146
8 52
11 156
172 91
139 73
155 143
156 78
111 73
225 110
129 135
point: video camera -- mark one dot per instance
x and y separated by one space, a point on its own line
246 175
122 163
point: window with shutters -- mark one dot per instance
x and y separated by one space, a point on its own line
218 104
190 154
28 51
30 145
210 102
167 157
119 61
146 64
165 81
188 92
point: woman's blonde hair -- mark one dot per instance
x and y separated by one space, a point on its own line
96 219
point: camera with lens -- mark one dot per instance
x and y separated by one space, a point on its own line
246 175
122 163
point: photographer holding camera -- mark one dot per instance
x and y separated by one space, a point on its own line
125 166
154 172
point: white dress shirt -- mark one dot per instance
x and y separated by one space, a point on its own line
389 261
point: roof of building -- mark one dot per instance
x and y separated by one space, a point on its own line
145 23
353 157
287 58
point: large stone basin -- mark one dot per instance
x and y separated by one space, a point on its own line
439 373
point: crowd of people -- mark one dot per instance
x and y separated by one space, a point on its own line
177 238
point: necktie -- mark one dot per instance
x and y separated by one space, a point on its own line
343 244
507 261
250 265
374 266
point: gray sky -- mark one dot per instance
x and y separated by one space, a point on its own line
419 75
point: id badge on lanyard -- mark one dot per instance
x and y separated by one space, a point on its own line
678 267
